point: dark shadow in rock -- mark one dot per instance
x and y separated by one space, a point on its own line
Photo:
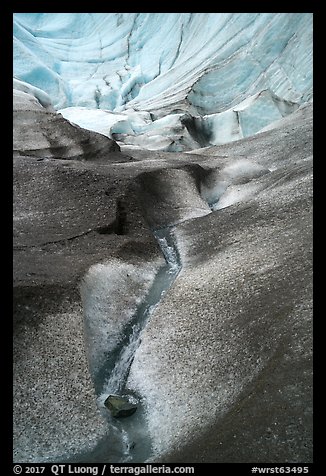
119 225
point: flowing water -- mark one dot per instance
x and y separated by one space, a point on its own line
127 438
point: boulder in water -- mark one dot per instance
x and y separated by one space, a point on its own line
120 406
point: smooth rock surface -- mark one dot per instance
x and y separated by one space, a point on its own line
54 410
252 256
67 216
41 132
231 343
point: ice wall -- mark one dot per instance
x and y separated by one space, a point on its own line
202 64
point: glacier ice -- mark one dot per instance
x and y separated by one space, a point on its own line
233 74
41 96
163 82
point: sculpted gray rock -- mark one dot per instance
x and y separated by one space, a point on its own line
231 343
64 213
41 132
224 366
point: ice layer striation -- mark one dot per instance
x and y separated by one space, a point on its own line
169 81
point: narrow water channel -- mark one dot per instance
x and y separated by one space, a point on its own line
127 438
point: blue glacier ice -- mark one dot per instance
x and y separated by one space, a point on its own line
180 279
227 74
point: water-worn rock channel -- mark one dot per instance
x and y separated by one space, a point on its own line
127 439
228 345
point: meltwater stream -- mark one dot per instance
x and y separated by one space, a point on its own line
127 438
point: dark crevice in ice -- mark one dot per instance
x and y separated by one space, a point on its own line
178 48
